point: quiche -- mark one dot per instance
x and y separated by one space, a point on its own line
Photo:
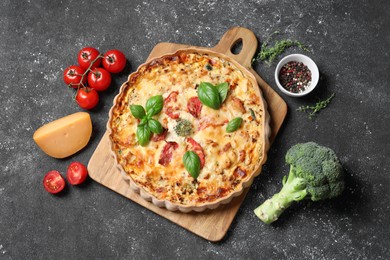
229 160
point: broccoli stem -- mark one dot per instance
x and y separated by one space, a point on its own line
294 189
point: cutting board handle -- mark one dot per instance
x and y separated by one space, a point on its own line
233 36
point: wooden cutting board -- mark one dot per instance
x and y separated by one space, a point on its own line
210 224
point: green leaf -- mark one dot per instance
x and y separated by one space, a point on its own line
209 96
150 114
143 134
252 113
144 121
155 126
234 124
137 111
154 105
191 162
223 90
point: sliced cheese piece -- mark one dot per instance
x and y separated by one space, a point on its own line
65 136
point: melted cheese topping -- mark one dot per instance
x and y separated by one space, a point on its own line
230 158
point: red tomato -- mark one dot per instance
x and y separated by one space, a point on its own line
87 98
166 154
87 55
73 76
170 105
195 146
77 173
160 137
53 182
99 79
114 61
194 106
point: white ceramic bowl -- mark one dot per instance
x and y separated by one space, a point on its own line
315 75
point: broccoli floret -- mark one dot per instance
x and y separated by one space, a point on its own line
315 173
183 127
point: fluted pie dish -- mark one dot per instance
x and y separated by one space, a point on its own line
228 160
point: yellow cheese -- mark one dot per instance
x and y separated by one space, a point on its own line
65 136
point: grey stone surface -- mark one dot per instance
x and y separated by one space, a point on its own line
350 42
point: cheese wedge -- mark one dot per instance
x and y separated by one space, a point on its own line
65 136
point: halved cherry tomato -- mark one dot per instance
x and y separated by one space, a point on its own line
114 61
170 105
53 182
195 146
73 75
87 98
167 151
194 106
86 56
160 137
99 79
76 173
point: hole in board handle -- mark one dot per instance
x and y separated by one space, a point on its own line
236 47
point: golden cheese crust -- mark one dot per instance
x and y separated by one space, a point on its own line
230 159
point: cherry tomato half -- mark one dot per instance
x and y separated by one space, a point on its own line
77 173
99 79
53 182
87 98
167 151
195 146
86 56
194 106
114 61
73 75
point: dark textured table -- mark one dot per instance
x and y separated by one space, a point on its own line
350 42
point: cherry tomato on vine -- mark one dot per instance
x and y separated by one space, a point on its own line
86 56
53 182
87 98
76 173
73 75
99 79
114 61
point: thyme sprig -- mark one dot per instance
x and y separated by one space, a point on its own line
321 104
269 54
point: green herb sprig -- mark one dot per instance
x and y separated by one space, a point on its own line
213 95
321 104
269 54
148 125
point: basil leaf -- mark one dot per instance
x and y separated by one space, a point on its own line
155 126
234 124
137 111
191 162
223 90
209 96
143 121
143 135
154 105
